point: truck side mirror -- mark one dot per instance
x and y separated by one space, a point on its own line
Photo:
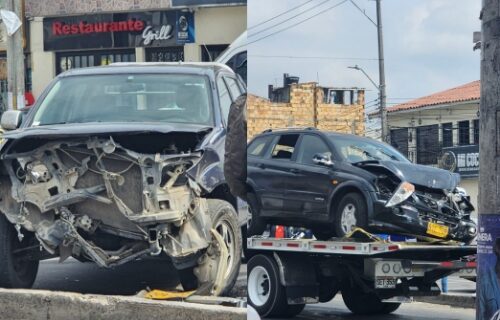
324 159
11 119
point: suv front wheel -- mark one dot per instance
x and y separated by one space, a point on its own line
16 270
350 213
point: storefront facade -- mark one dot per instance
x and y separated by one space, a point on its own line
178 31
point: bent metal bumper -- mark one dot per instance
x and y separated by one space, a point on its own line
406 218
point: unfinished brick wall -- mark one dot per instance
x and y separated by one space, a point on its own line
306 109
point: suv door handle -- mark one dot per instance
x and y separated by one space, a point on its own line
293 170
261 166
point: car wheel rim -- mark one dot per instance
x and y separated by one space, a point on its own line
249 217
258 286
348 218
227 233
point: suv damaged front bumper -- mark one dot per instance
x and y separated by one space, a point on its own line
422 222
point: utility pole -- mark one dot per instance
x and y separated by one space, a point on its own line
489 111
489 162
381 67
19 53
11 63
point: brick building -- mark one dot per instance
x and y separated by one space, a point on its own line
307 105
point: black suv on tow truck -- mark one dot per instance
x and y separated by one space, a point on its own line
332 183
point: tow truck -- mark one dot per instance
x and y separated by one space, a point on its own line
374 275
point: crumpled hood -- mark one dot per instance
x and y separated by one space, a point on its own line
417 174
85 129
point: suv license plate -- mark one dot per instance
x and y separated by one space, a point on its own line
385 283
437 230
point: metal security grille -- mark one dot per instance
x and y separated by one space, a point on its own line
428 148
399 140
70 60
211 52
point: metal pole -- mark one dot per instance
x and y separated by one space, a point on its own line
11 64
383 110
19 53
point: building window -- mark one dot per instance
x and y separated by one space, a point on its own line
428 149
399 140
447 133
212 52
476 131
463 133
70 60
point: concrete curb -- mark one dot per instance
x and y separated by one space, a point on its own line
40 304
453 300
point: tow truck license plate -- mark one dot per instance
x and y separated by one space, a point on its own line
437 230
385 283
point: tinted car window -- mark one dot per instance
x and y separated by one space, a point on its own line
309 146
233 86
258 147
285 147
224 97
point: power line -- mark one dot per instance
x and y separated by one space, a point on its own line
288 19
298 23
279 15
308 57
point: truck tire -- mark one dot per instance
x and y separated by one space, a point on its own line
225 221
265 292
14 272
366 303
256 225
351 212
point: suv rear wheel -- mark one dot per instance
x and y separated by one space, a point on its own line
256 225
350 213
16 270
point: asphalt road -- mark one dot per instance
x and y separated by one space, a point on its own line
412 311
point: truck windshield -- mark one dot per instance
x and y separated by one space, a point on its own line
127 98
354 149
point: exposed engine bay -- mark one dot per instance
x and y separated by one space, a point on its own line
113 199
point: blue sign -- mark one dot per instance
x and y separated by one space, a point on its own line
488 268
462 159
185 27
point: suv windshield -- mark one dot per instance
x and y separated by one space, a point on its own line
354 149
127 98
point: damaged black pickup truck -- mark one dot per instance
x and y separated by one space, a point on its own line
332 183
119 163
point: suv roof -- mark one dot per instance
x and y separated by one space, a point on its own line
300 130
150 67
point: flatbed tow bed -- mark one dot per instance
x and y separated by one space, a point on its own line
374 276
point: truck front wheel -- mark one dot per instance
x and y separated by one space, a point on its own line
17 270
265 292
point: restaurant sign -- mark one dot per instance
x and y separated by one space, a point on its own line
119 30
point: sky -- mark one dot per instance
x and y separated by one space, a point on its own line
427 43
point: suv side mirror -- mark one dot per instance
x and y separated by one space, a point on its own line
324 159
11 119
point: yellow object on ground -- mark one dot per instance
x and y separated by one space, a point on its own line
168 295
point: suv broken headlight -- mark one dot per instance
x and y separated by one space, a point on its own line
403 192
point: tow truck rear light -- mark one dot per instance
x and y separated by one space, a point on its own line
319 246
292 245
446 264
471 264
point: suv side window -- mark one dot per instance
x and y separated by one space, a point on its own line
258 147
224 98
285 147
233 86
309 146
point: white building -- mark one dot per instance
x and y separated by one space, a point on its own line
441 129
